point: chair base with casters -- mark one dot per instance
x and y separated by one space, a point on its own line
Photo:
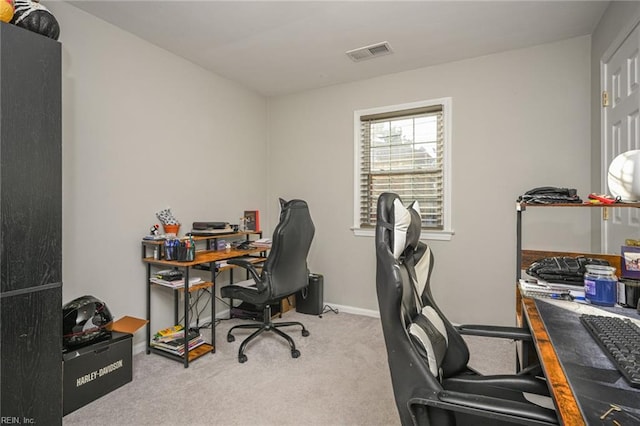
266 325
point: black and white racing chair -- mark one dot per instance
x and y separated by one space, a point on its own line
427 356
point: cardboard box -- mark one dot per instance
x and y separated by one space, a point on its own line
92 371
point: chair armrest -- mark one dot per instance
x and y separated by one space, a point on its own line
503 332
490 407
252 271
520 383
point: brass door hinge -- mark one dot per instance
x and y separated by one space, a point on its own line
605 213
605 98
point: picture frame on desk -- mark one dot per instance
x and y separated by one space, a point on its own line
630 267
252 220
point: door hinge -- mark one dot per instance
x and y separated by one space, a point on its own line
605 98
605 213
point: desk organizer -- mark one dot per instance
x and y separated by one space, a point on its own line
182 251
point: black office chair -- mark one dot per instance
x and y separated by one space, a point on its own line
427 356
283 273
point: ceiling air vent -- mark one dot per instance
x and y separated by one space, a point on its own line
368 52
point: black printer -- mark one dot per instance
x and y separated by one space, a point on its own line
210 228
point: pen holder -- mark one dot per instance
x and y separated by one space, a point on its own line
181 251
185 254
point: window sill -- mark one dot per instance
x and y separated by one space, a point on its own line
425 235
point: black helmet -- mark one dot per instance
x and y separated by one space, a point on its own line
85 320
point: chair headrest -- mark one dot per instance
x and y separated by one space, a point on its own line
404 223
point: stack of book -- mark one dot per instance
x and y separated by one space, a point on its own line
172 340
176 283
173 278
262 242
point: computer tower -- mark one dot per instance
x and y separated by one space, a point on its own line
309 300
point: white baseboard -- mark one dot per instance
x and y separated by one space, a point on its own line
141 347
354 310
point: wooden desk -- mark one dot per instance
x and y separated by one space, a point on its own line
210 258
563 396
582 380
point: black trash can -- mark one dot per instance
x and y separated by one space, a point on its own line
309 300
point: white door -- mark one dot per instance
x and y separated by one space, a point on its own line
620 131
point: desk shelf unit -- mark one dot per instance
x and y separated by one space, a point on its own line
527 314
204 260
524 258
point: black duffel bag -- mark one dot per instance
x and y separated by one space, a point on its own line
563 269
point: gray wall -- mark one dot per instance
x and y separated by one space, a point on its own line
143 130
520 120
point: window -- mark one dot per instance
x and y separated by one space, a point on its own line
405 149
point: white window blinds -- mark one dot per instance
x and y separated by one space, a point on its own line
402 152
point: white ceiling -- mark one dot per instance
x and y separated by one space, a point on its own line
282 47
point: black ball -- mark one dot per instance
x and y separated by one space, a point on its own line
35 17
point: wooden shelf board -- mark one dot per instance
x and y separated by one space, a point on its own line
194 354
206 257
525 205
194 287
563 397
205 237
199 351
199 286
253 260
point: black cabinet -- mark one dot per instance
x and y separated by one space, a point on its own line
30 227
32 356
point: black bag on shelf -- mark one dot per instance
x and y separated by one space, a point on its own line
550 195
563 269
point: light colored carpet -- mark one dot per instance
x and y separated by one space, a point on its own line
341 378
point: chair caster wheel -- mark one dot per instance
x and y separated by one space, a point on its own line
242 358
230 338
295 353
305 333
